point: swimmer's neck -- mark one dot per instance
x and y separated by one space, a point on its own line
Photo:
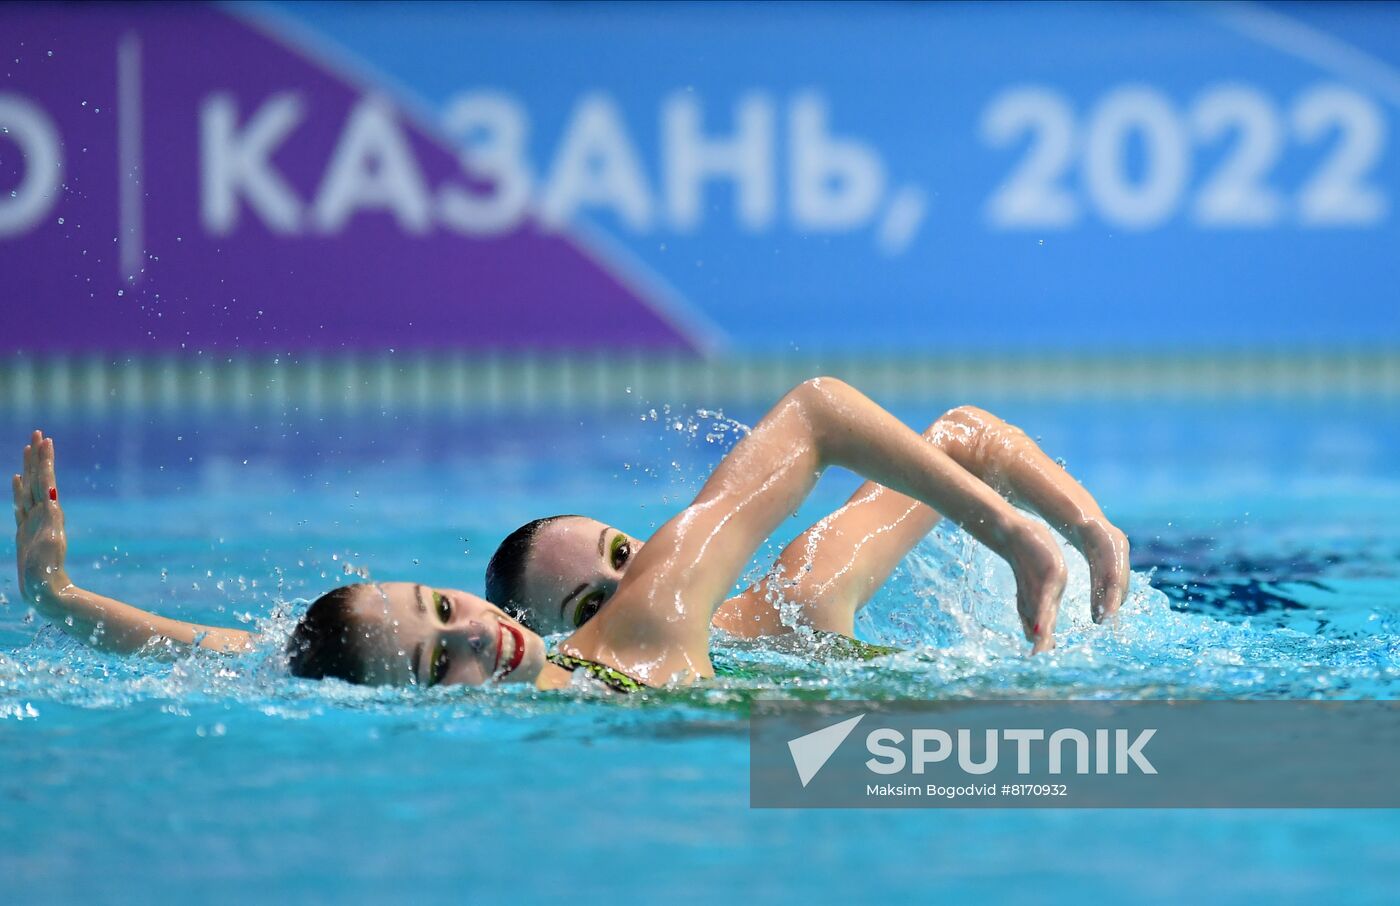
552 676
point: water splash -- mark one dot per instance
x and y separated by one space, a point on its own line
953 606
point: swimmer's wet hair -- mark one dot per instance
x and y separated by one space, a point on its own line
324 642
505 572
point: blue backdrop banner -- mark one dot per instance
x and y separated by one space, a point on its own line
808 176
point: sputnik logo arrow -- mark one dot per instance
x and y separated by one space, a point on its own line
811 752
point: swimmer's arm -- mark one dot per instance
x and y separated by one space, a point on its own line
659 617
1014 465
41 546
111 625
832 569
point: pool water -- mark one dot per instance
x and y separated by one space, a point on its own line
1266 545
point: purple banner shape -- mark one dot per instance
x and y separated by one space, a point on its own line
173 178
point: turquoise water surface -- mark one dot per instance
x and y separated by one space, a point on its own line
1266 541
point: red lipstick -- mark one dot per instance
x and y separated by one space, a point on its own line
517 653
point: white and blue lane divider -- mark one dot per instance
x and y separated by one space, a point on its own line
488 383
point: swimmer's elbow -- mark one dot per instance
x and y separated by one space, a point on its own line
825 384
823 407
819 394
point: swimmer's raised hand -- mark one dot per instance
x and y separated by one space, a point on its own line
41 545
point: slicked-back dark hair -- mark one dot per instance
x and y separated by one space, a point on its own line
324 642
506 571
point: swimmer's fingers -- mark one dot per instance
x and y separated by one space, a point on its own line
38 469
1042 631
41 544
18 485
1040 583
1109 570
26 495
36 485
47 484
1117 590
31 462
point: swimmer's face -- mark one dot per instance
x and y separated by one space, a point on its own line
573 568
418 635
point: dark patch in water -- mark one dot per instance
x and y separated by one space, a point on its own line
1233 597
1199 577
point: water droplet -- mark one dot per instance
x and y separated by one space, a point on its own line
60 221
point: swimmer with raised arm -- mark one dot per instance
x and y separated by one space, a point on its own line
555 574
655 630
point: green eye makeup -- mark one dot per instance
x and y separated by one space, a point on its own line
438 670
619 551
588 607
